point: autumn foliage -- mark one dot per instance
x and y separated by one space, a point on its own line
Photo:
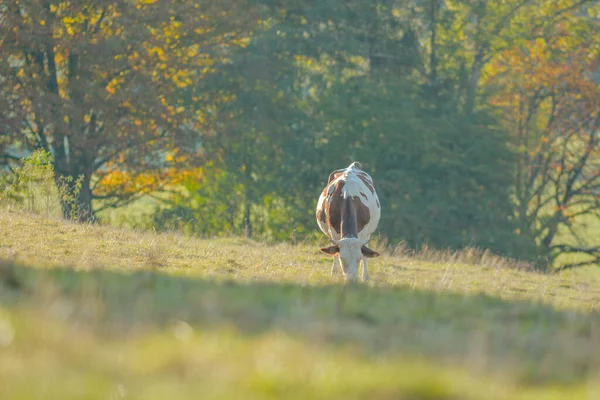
478 120
549 91
96 84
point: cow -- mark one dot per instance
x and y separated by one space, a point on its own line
348 212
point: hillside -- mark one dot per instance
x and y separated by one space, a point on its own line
97 312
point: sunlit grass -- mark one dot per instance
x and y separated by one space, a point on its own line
48 360
99 312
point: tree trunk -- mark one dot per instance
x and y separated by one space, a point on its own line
248 200
433 55
247 220
473 83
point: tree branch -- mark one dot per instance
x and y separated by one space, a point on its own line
565 267
96 28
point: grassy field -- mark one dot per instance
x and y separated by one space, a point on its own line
92 312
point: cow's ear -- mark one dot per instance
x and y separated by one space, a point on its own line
331 250
367 252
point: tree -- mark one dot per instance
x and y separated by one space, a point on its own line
549 91
318 87
443 179
264 153
96 84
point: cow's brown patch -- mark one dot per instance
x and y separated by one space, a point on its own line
347 216
349 225
333 206
331 250
321 216
367 252
333 176
354 216
365 178
363 216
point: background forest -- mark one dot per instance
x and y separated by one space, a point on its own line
478 120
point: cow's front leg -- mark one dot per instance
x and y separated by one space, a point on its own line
365 262
336 262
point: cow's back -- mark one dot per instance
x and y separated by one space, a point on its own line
351 185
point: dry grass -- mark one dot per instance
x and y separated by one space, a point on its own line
95 312
467 256
36 240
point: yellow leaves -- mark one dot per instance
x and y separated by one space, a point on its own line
303 60
114 84
137 122
127 183
176 176
182 79
157 51
559 65
517 231
182 158
171 31
172 110
241 42
42 22
172 156
192 51
74 23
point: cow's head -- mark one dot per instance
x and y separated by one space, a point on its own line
350 251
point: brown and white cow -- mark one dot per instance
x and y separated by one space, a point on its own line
348 212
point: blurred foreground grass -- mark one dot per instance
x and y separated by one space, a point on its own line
97 312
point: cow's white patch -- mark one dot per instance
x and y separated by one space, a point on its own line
350 248
331 188
350 256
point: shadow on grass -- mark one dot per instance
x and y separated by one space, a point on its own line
532 341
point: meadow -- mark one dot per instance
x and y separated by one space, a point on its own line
97 312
